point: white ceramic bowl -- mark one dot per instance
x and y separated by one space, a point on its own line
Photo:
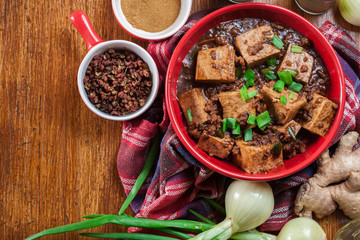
184 13
96 47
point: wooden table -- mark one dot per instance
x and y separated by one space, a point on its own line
58 159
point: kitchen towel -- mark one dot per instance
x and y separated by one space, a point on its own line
178 181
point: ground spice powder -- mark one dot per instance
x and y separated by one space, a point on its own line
151 15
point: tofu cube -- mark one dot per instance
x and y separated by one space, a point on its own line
194 100
214 146
233 105
322 111
216 65
254 159
253 48
283 113
301 62
295 126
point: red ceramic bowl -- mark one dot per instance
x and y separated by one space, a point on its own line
336 91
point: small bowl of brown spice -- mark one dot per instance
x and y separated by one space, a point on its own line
151 20
117 80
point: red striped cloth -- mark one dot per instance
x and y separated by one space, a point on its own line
178 181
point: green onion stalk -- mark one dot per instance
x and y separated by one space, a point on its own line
248 204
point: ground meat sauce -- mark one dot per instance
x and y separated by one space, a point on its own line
224 34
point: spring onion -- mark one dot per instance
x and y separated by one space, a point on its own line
236 130
350 231
276 148
198 215
277 42
291 132
125 220
251 119
137 236
296 87
270 76
271 62
250 83
150 160
252 94
249 77
249 74
291 96
350 9
229 123
285 77
238 72
248 134
301 228
266 70
283 100
189 115
296 49
279 86
263 120
293 72
244 93
247 204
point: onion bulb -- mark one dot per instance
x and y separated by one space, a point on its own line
247 204
350 10
350 231
301 228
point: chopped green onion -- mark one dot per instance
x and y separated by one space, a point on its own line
271 62
250 83
236 130
291 96
276 148
249 74
283 100
292 134
293 72
266 70
229 123
248 134
251 119
277 42
279 86
296 87
296 49
263 120
252 94
249 77
224 124
189 115
244 93
219 133
270 75
238 72
285 77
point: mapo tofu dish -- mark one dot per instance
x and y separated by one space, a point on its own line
254 92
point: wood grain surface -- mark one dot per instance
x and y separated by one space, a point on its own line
57 158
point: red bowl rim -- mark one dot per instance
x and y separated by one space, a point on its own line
181 135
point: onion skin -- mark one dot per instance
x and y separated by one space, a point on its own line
350 231
301 228
350 10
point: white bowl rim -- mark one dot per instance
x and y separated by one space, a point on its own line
118 44
184 13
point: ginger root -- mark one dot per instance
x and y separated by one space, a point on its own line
316 196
